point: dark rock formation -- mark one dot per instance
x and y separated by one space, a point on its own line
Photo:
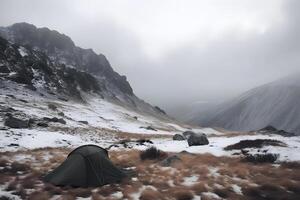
178 137
198 139
14 122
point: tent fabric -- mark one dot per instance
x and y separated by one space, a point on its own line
86 166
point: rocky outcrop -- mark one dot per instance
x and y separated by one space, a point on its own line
61 49
14 122
49 63
273 130
36 70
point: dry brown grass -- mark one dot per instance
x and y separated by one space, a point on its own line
199 188
39 195
183 194
215 174
150 194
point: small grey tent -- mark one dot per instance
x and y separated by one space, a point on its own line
86 166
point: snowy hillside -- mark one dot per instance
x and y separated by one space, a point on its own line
276 104
46 59
53 121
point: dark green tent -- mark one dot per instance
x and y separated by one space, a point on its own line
86 166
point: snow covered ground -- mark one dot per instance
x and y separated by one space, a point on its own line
198 175
96 112
31 139
106 120
217 144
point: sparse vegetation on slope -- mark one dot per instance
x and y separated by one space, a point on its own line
196 175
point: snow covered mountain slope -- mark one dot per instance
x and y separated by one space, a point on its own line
52 60
276 104
42 95
53 122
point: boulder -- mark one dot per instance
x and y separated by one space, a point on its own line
149 128
55 119
178 137
14 122
61 120
187 134
198 139
84 122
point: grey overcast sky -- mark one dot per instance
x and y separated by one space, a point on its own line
178 52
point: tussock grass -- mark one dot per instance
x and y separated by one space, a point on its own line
215 174
199 188
150 194
153 153
183 194
261 158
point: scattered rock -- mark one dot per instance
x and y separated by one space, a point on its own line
178 137
14 122
130 143
63 99
2 128
22 100
149 128
84 122
52 107
198 139
244 152
170 160
42 124
143 141
13 145
55 119
61 114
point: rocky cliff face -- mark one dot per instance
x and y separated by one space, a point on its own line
45 59
61 49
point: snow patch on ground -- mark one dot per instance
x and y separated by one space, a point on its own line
7 194
211 195
117 195
190 181
237 189
136 195
23 51
217 145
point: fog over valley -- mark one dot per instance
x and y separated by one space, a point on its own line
178 53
